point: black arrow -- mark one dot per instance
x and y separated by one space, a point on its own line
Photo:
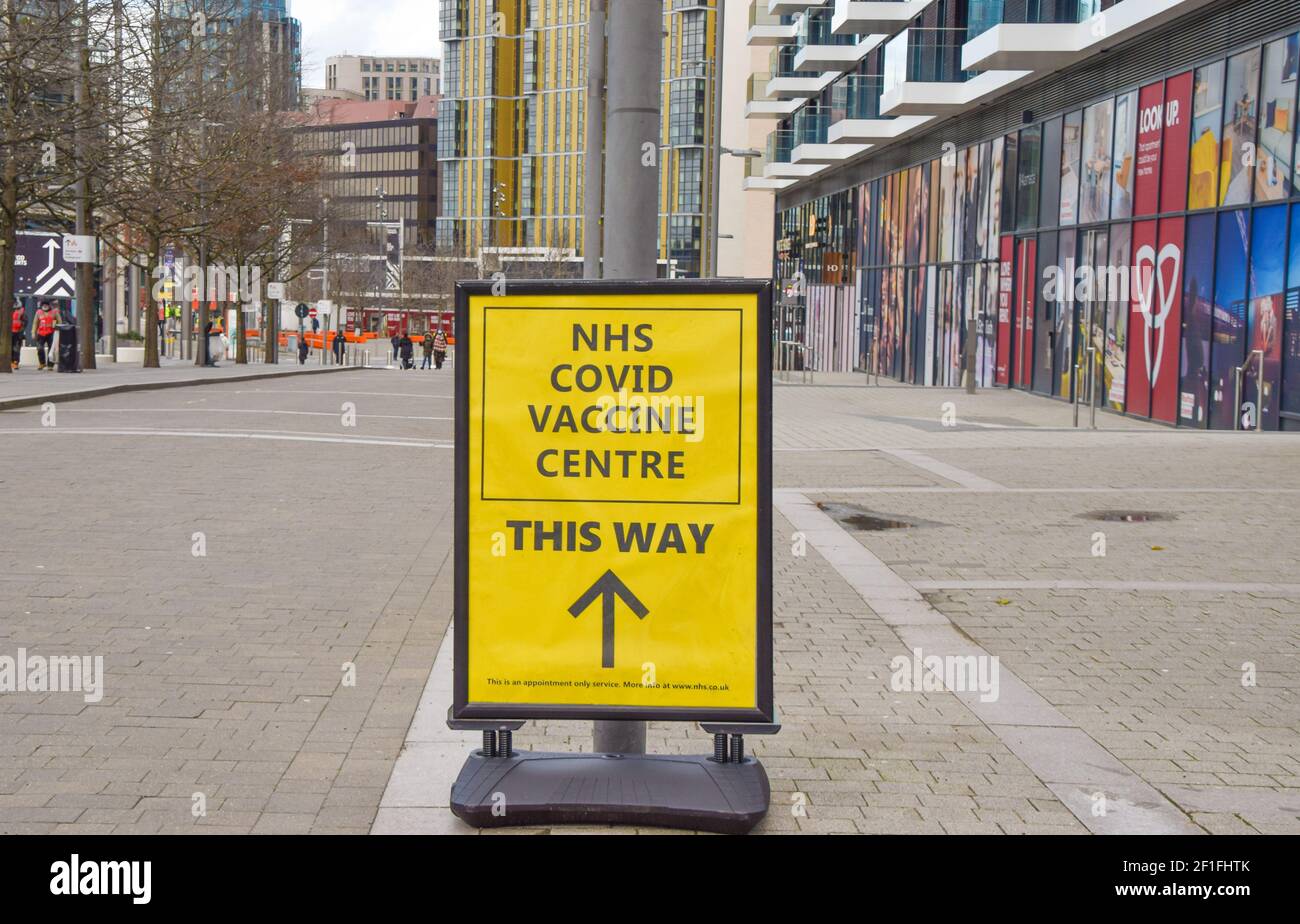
607 587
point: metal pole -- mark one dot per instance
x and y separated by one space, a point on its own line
593 163
635 31
632 132
1093 359
1078 367
1259 389
1236 414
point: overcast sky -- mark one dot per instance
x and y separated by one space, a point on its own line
363 27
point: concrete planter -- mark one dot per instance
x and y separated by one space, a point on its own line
130 355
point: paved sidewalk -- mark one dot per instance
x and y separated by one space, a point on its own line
1136 586
1120 709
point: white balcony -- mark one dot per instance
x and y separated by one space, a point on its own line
882 16
798 87
836 58
768 183
771 108
1052 46
923 75
826 153
935 98
791 170
771 34
788 7
873 131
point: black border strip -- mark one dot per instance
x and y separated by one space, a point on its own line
764 710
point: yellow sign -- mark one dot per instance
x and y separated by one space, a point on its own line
613 500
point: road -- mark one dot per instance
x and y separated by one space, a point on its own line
1147 667
322 544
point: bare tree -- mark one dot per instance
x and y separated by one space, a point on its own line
39 123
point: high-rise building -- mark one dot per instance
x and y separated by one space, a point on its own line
512 127
281 41
376 77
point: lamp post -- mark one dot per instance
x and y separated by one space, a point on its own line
745 154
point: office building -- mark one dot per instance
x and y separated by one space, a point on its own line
379 77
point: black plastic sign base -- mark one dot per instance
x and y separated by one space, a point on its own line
659 790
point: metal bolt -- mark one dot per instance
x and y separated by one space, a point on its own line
489 744
737 749
504 739
720 748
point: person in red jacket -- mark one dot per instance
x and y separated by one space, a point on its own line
18 331
47 318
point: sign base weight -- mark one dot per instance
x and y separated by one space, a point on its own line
658 790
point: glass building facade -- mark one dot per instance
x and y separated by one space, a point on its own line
1140 249
512 126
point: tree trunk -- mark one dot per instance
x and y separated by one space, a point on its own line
8 251
8 241
151 344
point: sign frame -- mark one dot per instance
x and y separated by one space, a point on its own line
763 710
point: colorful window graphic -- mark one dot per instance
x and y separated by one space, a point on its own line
1240 124
1277 99
1207 122
1059 258
1198 322
1228 342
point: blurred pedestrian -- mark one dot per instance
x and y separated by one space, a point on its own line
427 343
47 320
302 350
439 348
339 343
17 333
407 349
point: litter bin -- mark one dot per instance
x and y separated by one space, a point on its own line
69 355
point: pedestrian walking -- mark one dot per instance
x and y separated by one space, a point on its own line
397 344
302 350
340 343
407 349
47 320
439 348
427 343
17 332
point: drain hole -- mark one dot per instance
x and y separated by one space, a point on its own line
861 519
1129 516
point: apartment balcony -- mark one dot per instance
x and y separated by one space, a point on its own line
810 125
820 49
882 17
789 81
779 158
855 116
759 106
755 180
924 75
768 28
790 7
1052 34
